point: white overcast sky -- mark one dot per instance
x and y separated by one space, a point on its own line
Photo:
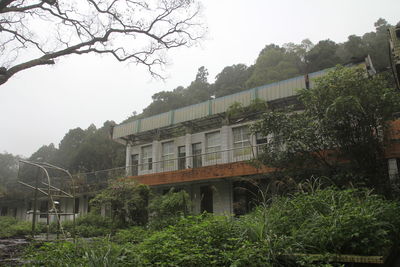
40 105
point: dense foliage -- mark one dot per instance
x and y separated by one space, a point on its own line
341 129
168 208
318 221
10 227
275 63
127 201
88 225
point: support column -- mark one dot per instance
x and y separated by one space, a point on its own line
188 149
156 155
225 141
393 170
128 160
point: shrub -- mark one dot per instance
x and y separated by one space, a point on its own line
128 201
100 252
203 240
133 235
11 227
328 221
167 209
90 225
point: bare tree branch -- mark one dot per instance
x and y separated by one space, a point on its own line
133 31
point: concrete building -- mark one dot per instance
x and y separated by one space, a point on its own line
202 148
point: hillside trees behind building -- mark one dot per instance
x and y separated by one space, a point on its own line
275 63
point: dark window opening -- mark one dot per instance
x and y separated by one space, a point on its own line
76 203
206 204
246 195
44 208
4 211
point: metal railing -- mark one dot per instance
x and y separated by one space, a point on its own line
195 161
98 179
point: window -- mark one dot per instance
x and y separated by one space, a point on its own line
241 143
4 211
260 141
44 208
196 150
181 157
168 156
213 146
76 203
147 158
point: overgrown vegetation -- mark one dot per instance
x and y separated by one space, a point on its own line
11 227
169 208
318 221
127 201
340 133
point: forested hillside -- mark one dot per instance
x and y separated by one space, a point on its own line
92 149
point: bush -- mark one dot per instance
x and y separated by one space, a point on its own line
128 201
100 252
328 221
203 240
90 225
11 227
167 209
133 235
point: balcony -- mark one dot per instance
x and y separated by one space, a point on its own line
205 166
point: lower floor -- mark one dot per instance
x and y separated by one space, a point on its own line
224 196
22 209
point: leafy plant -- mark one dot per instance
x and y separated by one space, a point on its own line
128 201
168 208
11 227
327 221
90 225
203 240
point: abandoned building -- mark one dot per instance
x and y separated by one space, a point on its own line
201 148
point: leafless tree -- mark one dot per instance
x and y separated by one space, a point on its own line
37 32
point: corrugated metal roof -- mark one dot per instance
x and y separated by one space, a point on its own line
269 92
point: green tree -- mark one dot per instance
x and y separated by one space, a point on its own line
231 79
199 90
340 130
45 154
274 64
8 170
323 55
128 201
164 101
97 151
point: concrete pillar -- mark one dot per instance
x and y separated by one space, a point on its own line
222 198
196 198
156 155
393 170
225 143
188 150
128 160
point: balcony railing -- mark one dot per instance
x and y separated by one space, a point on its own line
101 178
195 161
